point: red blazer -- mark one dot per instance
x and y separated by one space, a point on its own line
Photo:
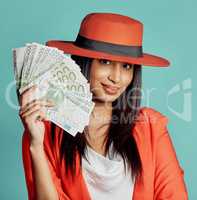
162 179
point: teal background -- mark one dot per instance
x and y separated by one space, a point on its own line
169 30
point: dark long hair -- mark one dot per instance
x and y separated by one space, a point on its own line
125 108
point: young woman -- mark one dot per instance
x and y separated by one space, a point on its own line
125 152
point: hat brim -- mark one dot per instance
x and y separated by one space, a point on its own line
70 48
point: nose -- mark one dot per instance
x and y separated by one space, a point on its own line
115 73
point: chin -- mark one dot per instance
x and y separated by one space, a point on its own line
105 97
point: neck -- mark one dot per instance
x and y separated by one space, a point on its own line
99 124
102 109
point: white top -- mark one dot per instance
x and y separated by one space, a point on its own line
105 177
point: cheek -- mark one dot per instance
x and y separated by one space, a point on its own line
126 79
125 83
98 74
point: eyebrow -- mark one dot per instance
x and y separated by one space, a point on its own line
132 64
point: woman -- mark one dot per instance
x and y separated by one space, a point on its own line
125 152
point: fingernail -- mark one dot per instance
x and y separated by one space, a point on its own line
50 101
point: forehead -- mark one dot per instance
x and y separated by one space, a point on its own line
112 61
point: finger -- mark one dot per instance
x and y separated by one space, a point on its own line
38 115
35 102
38 101
41 118
30 111
34 116
26 107
39 106
27 95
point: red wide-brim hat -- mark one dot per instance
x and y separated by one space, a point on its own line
110 36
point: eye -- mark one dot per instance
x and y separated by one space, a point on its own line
128 66
104 61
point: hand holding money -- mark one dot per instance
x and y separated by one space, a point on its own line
59 79
31 114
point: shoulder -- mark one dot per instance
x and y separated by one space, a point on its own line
152 115
151 122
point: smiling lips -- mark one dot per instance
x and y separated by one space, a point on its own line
110 89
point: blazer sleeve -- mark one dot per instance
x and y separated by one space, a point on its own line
169 176
28 169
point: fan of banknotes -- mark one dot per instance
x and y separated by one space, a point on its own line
58 78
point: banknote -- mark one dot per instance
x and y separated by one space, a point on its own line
68 110
18 57
58 78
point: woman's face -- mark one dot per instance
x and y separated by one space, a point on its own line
109 79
